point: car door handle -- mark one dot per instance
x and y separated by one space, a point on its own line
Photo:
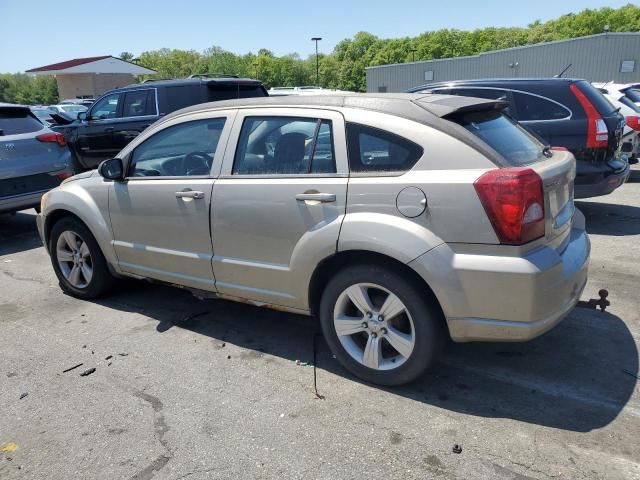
189 194
109 129
316 197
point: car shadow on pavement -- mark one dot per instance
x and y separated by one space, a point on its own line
578 377
18 233
610 219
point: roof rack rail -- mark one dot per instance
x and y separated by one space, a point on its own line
212 75
149 80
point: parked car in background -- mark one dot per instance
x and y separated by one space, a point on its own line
69 108
33 159
86 102
562 112
396 219
283 91
617 95
44 115
120 115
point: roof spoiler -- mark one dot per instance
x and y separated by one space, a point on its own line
445 105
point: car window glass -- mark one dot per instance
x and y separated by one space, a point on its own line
284 145
186 149
633 94
375 150
138 103
106 107
503 134
16 122
531 107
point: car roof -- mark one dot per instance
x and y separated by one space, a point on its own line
407 105
490 81
211 82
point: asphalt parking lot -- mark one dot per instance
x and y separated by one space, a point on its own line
195 389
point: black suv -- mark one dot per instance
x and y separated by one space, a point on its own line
120 115
561 112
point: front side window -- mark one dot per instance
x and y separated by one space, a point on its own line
182 150
284 145
138 103
532 108
375 150
106 107
502 134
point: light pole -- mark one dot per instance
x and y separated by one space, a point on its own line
413 54
255 64
317 39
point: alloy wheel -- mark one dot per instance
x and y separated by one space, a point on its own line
74 259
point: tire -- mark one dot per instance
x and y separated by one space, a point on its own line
420 320
99 281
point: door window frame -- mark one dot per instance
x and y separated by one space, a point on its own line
338 137
155 94
228 116
118 117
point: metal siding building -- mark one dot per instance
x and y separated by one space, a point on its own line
597 58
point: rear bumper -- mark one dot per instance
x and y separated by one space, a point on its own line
506 298
604 186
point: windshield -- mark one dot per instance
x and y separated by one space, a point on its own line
73 108
502 134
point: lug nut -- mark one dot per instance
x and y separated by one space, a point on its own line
374 334
380 318
383 331
369 315
365 325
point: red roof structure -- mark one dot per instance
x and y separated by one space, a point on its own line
68 64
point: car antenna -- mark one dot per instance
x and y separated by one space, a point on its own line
563 71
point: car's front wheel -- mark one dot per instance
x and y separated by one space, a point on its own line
77 260
381 326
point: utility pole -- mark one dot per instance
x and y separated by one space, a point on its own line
255 64
413 54
317 39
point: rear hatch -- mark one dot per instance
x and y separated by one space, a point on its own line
610 115
519 151
26 162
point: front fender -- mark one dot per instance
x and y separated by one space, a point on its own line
397 237
87 199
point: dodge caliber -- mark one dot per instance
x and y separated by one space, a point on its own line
396 219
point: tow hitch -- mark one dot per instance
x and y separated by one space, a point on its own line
594 303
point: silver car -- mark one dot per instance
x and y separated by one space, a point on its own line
396 219
33 159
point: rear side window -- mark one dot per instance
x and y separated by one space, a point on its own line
375 150
231 92
502 134
18 121
629 103
181 96
532 108
490 93
633 94
139 103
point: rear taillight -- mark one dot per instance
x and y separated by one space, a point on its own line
54 137
597 132
62 175
514 203
633 122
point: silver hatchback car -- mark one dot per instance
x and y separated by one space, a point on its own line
396 219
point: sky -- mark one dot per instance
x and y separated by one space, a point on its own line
34 33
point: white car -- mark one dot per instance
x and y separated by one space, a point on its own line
305 90
70 109
626 97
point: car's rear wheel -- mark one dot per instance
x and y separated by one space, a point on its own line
381 326
77 260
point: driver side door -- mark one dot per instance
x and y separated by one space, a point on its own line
160 212
95 135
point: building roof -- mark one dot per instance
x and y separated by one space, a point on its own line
521 47
101 64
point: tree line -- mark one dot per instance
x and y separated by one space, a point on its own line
344 67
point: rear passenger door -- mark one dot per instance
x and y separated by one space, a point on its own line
279 203
139 110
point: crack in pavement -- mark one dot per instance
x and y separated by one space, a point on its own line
160 429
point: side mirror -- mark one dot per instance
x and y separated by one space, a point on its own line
112 169
82 116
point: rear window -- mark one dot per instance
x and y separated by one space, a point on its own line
18 121
375 150
629 103
502 134
633 94
604 106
